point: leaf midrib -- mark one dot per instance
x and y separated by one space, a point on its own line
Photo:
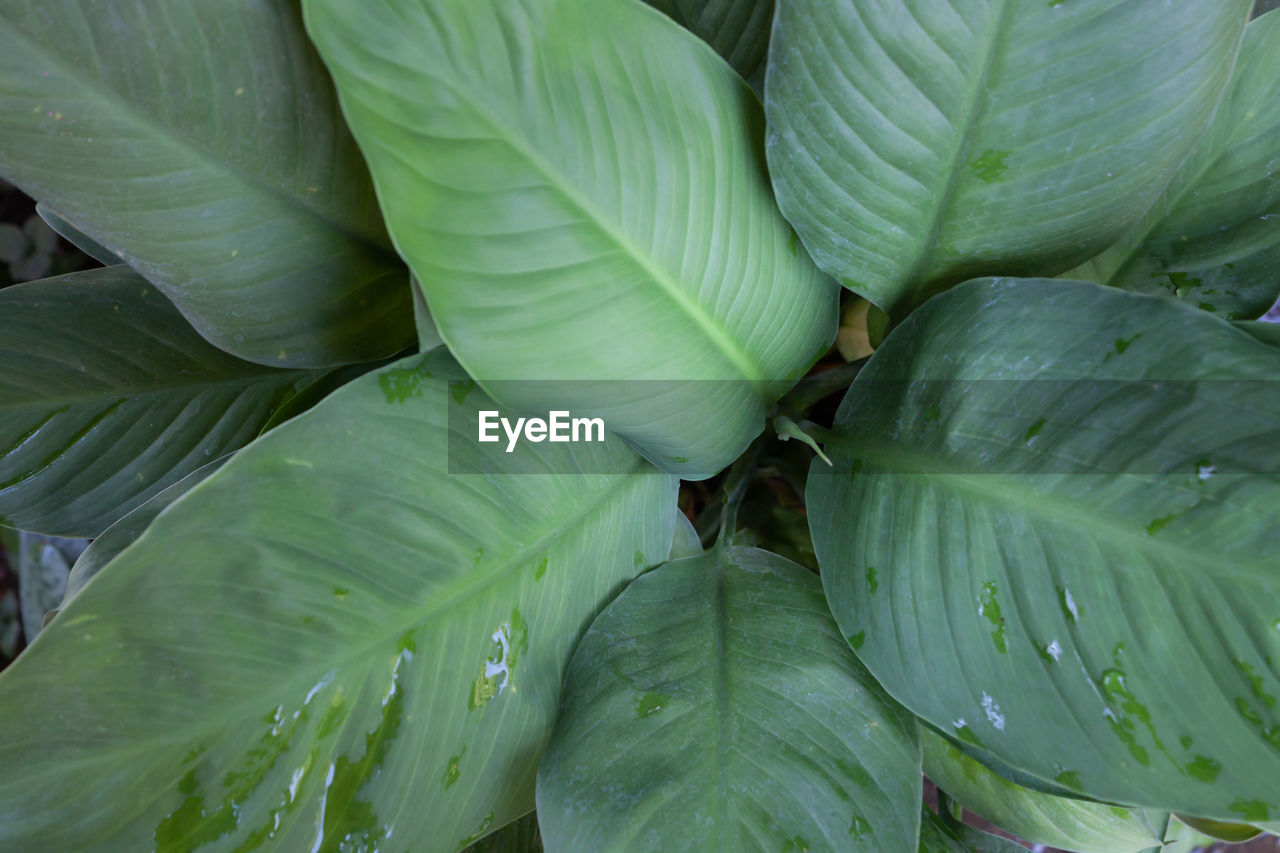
710 326
1051 507
974 107
131 113
439 606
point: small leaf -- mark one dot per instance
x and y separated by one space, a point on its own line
714 706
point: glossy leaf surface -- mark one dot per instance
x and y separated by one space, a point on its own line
580 189
265 667
202 144
1034 817
715 706
1213 237
917 143
107 396
1051 530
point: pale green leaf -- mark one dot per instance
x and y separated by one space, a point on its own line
917 143
201 143
1051 530
580 188
332 643
1034 817
1213 237
715 706
107 396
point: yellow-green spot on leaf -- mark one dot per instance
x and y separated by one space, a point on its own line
479 833
1251 810
478 556
859 828
795 845
966 734
1256 683
498 672
460 388
1125 713
1121 344
453 771
650 703
541 569
1204 768
989 606
1069 779
192 824
349 820
340 592
1034 430
403 383
1161 523
857 640
991 166
873 582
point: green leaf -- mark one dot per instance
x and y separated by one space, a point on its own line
1053 519
329 641
76 237
1268 333
685 542
126 531
1213 237
1235 833
715 706
937 836
522 836
612 222
916 144
201 143
738 30
1034 817
107 396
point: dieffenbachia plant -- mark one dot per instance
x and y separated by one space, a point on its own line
1033 554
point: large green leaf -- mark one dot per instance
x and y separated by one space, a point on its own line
1052 529
107 396
715 706
1213 237
201 143
332 643
1034 817
917 143
738 30
580 188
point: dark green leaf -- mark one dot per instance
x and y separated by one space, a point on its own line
715 706
107 396
1053 522
918 143
738 30
1213 237
201 143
